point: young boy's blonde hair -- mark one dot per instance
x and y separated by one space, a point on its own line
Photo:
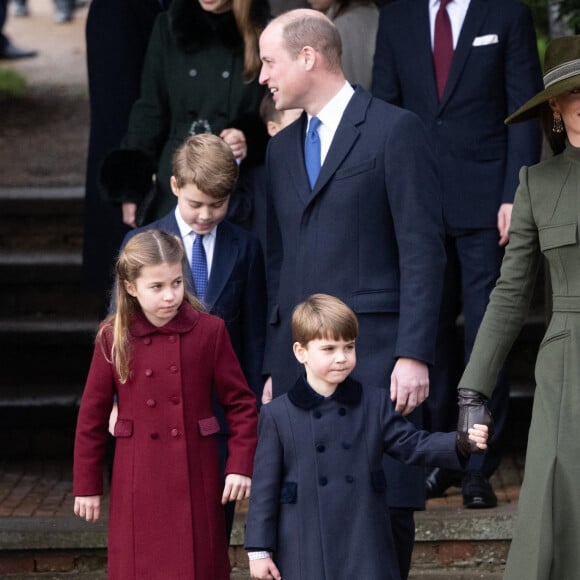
207 162
322 316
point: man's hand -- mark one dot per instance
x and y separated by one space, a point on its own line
129 214
472 410
88 507
409 384
237 142
267 391
504 220
264 569
237 487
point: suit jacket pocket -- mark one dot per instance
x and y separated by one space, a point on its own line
375 301
289 492
355 169
555 236
379 481
208 426
123 428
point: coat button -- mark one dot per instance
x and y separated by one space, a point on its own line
317 414
173 369
154 435
148 372
171 338
349 479
193 72
147 340
346 445
175 400
342 411
151 402
174 432
226 74
323 481
320 448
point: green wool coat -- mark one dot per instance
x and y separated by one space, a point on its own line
191 84
546 213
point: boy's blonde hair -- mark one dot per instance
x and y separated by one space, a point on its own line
149 248
323 316
207 162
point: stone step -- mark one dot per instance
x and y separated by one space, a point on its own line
40 218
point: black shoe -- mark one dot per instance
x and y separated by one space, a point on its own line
477 492
11 52
439 480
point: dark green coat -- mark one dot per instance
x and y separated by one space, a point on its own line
545 221
191 84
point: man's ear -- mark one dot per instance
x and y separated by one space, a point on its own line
174 186
309 55
299 352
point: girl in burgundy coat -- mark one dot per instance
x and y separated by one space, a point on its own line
161 357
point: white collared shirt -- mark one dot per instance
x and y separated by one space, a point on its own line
330 116
188 237
457 9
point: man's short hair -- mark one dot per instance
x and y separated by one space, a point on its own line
207 162
322 316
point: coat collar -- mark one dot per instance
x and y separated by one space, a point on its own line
194 28
302 395
185 319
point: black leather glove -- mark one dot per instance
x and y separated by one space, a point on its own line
472 409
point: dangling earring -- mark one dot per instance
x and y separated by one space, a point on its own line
558 126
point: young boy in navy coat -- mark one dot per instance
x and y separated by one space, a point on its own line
318 507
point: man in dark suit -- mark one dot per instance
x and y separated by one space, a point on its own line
367 229
463 66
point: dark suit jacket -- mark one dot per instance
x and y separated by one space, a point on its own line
370 233
236 291
478 156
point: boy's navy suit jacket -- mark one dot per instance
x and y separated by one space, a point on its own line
236 291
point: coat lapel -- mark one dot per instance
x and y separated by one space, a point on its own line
225 256
473 22
298 175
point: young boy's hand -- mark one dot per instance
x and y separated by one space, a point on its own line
236 487
88 507
479 434
264 569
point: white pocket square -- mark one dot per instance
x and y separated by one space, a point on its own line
485 39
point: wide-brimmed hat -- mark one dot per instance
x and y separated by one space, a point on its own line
561 74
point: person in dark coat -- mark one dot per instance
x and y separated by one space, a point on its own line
117 35
200 76
369 229
163 359
317 507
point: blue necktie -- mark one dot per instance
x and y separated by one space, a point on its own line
312 151
199 267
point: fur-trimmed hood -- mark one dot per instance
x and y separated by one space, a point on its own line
193 27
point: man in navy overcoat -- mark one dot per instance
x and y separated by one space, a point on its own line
368 231
494 70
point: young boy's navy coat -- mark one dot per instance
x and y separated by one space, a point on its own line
318 493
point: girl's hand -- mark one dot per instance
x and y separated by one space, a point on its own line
236 487
264 569
88 507
478 434
237 142
113 418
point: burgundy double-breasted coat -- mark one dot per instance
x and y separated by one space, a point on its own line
165 518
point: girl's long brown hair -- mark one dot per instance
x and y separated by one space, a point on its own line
149 248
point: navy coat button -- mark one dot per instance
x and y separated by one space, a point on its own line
346 445
320 448
148 372
151 402
323 481
349 478
174 432
342 411
317 414
154 435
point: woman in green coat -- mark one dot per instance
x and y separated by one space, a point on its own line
200 76
545 219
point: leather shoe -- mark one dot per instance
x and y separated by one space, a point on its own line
11 52
439 480
477 492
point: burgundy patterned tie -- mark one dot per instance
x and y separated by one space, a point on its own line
442 47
